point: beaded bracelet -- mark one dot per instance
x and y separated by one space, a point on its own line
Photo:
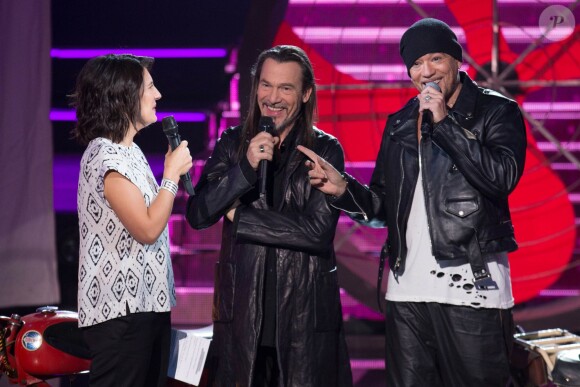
169 185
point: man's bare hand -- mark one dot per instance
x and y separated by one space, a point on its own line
261 148
322 174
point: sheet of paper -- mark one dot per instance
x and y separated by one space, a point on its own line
188 354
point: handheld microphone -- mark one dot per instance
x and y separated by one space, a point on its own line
266 125
171 131
427 121
427 114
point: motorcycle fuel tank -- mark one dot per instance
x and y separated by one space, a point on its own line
50 344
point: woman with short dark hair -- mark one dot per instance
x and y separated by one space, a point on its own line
126 286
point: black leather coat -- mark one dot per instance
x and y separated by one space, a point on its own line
310 339
471 161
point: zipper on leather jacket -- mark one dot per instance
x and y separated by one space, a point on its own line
396 268
427 208
398 260
364 215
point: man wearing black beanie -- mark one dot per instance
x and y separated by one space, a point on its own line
427 36
447 163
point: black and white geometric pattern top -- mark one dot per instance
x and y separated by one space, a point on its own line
115 270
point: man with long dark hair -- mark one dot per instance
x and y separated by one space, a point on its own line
277 313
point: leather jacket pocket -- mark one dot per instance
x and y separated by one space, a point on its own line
223 296
461 207
326 302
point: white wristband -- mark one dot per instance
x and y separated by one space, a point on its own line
169 185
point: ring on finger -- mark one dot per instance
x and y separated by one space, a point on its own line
427 98
261 148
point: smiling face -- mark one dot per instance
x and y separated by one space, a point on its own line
439 68
280 93
148 102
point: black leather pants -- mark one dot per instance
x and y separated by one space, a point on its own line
431 344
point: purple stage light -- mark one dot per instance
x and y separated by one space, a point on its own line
560 293
403 3
194 290
367 364
62 115
69 115
184 116
75 53
373 35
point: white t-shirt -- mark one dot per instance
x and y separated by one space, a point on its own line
117 272
427 280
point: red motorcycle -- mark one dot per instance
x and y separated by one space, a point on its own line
41 346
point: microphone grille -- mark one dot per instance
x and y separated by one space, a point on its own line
433 85
169 124
266 123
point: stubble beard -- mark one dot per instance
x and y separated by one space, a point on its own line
287 124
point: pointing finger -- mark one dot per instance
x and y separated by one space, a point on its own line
315 159
310 154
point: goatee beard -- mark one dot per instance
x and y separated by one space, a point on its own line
287 123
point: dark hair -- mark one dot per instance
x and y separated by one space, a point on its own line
307 113
107 96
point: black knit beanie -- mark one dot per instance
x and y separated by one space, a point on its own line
428 36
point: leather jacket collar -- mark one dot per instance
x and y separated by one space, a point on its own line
467 99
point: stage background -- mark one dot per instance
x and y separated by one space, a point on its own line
203 53
28 260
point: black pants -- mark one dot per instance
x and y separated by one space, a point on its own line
130 351
431 344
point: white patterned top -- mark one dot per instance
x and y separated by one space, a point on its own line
116 272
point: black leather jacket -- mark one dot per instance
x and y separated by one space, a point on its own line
310 342
471 161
